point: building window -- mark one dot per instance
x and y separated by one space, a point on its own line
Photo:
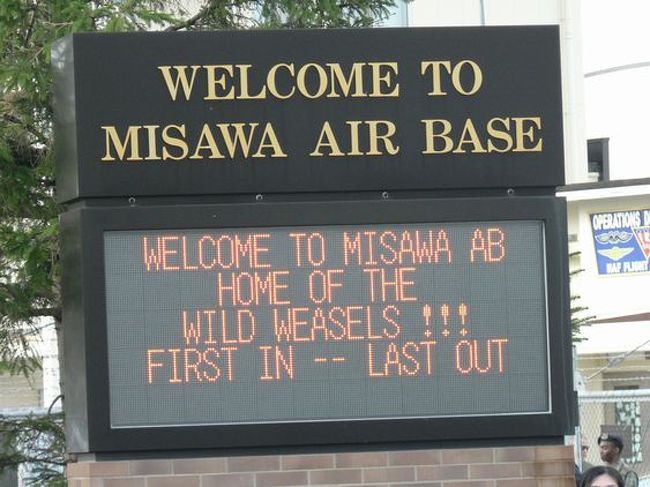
598 159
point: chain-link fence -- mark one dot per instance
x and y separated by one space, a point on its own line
626 413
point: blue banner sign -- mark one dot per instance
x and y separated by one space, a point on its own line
622 241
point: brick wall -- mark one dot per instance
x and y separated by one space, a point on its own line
486 467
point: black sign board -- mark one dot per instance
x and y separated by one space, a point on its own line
332 323
195 320
143 114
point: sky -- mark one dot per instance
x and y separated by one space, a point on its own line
615 33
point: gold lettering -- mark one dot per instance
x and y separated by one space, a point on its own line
375 137
386 79
207 142
269 140
270 80
330 141
152 141
455 71
131 139
243 84
469 130
436 85
174 142
521 132
239 139
431 136
354 138
220 81
499 135
181 78
322 80
356 77
478 77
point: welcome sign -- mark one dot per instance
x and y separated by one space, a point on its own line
201 316
305 111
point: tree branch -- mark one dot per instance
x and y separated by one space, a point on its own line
30 29
189 22
40 136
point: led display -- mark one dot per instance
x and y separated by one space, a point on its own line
253 325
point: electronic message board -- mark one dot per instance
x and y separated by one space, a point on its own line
303 111
234 326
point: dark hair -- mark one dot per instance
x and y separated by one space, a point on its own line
616 440
593 472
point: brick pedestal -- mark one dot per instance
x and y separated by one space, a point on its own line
550 466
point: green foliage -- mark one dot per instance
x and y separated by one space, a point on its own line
237 14
38 442
29 287
578 318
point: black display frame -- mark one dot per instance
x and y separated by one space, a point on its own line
86 353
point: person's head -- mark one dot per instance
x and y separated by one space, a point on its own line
602 476
610 447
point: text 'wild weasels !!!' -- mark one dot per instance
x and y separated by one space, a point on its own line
284 82
360 288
